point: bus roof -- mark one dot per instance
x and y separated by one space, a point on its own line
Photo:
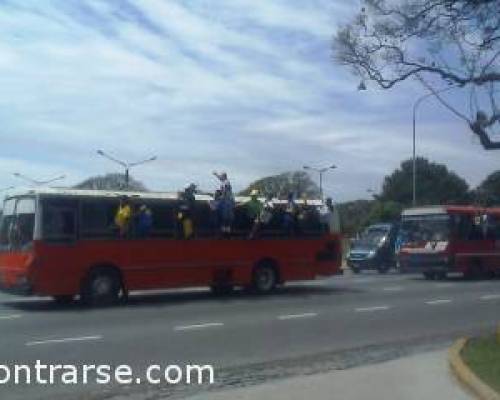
89 193
446 209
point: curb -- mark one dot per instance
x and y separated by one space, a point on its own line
465 374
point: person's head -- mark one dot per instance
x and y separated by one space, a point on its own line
290 196
223 175
191 188
329 202
143 208
124 201
254 193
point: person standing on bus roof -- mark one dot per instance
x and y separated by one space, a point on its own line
123 216
330 217
290 215
186 211
254 209
226 203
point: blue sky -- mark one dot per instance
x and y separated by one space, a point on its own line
245 86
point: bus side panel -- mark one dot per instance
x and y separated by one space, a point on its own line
62 267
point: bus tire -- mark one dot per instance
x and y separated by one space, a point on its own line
429 275
265 277
101 287
63 299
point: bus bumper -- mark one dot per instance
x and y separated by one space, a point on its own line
21 287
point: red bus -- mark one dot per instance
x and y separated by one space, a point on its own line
442 239
64 243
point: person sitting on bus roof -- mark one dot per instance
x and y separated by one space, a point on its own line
254 209
123 216
144 221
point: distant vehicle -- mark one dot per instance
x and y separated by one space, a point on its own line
442 239
374 249
63 243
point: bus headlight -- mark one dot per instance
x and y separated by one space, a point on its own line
371 254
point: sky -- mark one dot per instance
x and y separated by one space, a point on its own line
243 86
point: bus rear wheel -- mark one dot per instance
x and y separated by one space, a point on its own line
265 277
102 287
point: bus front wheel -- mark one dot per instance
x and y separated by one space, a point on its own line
101 287
265 277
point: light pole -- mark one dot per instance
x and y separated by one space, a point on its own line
414 158
125 164
37 182
320 171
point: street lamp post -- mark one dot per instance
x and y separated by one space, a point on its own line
320 171
414 158
37 182
126 165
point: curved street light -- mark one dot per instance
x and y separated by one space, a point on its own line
414 158
320 171
124 164
37 182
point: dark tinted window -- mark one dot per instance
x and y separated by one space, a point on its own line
59 219
97 219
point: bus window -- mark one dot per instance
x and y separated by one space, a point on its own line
163 219
6 222
18 223
98 219
59 220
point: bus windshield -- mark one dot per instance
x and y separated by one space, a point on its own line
425 228
17 224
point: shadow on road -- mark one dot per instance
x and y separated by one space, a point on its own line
184 296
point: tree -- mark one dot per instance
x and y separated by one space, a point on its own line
488 192
113 181
452 44
435 184
384 211
297 182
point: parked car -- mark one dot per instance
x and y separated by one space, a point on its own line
374 249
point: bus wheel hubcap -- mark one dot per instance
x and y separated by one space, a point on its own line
102 286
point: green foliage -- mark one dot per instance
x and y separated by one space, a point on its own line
488 192
354 215
111 182
297 182
435 185
384 211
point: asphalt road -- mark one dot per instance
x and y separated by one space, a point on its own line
304 328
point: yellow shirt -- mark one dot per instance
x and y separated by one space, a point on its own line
123 216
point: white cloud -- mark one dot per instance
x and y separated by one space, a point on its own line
241 85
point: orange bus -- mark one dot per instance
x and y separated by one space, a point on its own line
442 239
64 243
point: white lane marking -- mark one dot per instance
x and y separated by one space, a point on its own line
393 289
198 326
490 297
14 316
295 316
438 301
444 285
64 340
369 309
